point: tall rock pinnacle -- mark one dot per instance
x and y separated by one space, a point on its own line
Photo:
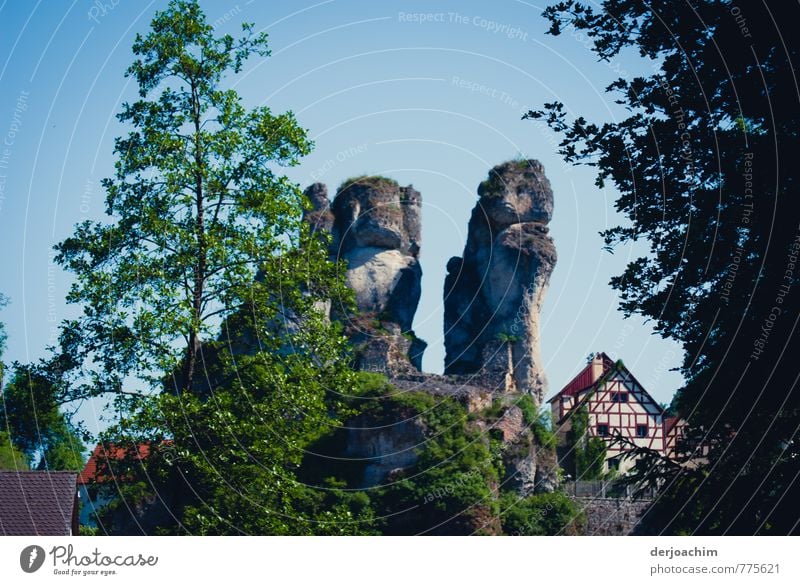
376 228
493 293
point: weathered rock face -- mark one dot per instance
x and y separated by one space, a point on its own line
376 230
499 283
377 212
319 216
381 347
385 449
494 292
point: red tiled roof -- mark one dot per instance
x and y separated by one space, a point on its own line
583 379
38 503
112 452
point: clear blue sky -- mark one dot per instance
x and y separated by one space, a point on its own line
433 99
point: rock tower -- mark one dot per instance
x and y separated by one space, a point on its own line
493 293
376 230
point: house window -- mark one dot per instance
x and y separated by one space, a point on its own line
619 397
613 464
641 430
602 430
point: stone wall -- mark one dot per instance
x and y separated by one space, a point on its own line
612 516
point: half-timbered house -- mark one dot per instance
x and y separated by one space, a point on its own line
616 404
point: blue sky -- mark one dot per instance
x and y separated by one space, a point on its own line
429 93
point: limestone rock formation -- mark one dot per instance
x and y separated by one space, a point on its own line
493 295
494 291
376 230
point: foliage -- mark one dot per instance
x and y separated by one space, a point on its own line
588 452
286 476
590 460
30 409
449 488
538 420
703 163
34 429
196 209
233 455
452 489
521 161
453 477
87 530
11 458
540 515
206 263
504 337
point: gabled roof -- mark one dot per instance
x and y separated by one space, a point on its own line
38 503
584 379
93 473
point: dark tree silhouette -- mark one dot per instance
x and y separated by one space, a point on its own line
705 164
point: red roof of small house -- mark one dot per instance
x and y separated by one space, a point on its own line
670 422
91 474
584 379
38 503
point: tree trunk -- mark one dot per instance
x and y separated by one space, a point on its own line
200 266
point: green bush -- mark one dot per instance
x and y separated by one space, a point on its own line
539 515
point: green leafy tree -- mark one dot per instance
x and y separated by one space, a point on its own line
36 425
227 463
32 426
207 283
11 458
196 207
704 165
